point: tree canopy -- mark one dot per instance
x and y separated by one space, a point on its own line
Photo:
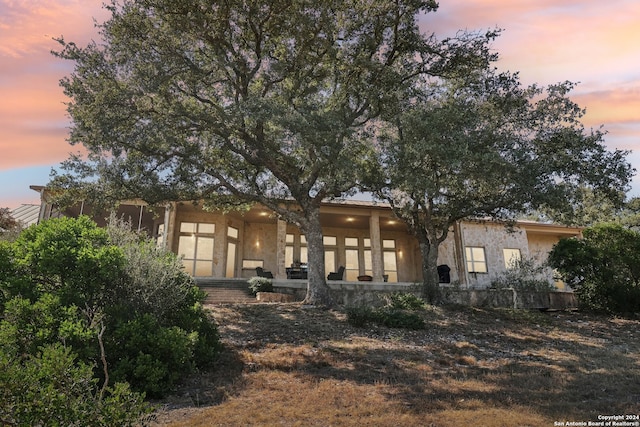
267 101
482 145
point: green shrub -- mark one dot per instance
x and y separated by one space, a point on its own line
71 258
524 275
150 356
401 311
27 326
359 316
397 318
260 284
153 279
67 282
51 387
603 268
404 301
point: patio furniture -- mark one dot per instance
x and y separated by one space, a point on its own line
337 275
260 272
296 273
444 273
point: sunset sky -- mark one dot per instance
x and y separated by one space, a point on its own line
592 42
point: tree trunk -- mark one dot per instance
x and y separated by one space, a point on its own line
430 277
317 288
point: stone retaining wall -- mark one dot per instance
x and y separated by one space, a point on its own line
372 294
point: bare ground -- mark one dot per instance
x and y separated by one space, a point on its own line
288 365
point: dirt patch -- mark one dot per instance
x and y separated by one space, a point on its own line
285 364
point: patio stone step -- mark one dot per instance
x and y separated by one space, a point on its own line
225 291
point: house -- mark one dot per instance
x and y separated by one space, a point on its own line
364 237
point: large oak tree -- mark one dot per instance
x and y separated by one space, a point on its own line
481 145
268 101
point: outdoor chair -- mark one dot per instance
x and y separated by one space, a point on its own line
444 273
264 273
337 275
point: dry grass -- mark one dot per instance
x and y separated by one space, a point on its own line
292 366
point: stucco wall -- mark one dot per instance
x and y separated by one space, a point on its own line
260 243
539 246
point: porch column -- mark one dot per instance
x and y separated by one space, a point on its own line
140 218
165 226
376 247
43 211
169 225
281 237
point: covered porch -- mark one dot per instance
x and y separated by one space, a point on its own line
363 239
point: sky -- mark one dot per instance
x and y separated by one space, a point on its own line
591 42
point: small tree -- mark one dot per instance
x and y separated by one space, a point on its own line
481 145
603 268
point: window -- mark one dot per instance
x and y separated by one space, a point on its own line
389 260
195 245
232 232
330 251
290 250
351 242
368 268
304 254
389 244
251 264
512 257
352 264
330 240
476 261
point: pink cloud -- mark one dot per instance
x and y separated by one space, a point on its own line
28 26
548 41
618 105
33 120
551 40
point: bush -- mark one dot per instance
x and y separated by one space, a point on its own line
153 279
359 316
524 275
397 318
71 258
405 301
127 308
150 356
260 284
400 312
27 326
51 387
603 268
